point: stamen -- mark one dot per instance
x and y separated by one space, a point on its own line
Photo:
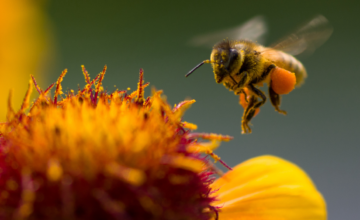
36 85
86 74
58 90
98 86
26 101
140 90
48 89
10 112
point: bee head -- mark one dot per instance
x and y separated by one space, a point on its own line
224 60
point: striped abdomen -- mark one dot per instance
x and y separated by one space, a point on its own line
287 62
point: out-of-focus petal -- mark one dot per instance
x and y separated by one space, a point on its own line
268 188
25 45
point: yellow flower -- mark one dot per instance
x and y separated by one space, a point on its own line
268 188
100 155
96 154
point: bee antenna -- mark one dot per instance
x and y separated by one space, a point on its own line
197 66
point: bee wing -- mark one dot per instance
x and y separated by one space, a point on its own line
254 30
306 39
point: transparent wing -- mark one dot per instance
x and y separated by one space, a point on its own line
254 30
306 39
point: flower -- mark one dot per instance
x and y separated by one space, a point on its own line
268 188
94 154
25 45
99 155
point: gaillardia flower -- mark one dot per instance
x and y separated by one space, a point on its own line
94 154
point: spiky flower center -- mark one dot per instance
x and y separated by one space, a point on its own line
99 155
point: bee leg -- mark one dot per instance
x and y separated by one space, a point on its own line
275 100
248 115
244 79
251 108
228 86
245 122
243 92
267 71
252 101
259 93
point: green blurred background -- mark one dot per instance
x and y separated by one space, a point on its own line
321 131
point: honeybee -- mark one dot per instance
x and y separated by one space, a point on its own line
244 64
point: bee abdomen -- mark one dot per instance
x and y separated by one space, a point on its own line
291 64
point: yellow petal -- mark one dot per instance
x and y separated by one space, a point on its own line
26 47
268 188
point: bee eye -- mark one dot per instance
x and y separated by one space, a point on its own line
233 54
232 57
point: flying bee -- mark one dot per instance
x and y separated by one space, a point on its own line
244 64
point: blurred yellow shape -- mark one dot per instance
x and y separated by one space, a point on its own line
24 46
54 170
268 188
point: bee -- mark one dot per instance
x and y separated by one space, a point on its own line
243 65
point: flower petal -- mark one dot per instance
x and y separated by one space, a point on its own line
268 188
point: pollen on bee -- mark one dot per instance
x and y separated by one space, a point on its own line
282 81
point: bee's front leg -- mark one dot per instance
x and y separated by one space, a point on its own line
228 85
249 112
243 81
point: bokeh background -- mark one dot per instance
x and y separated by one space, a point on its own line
321 131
